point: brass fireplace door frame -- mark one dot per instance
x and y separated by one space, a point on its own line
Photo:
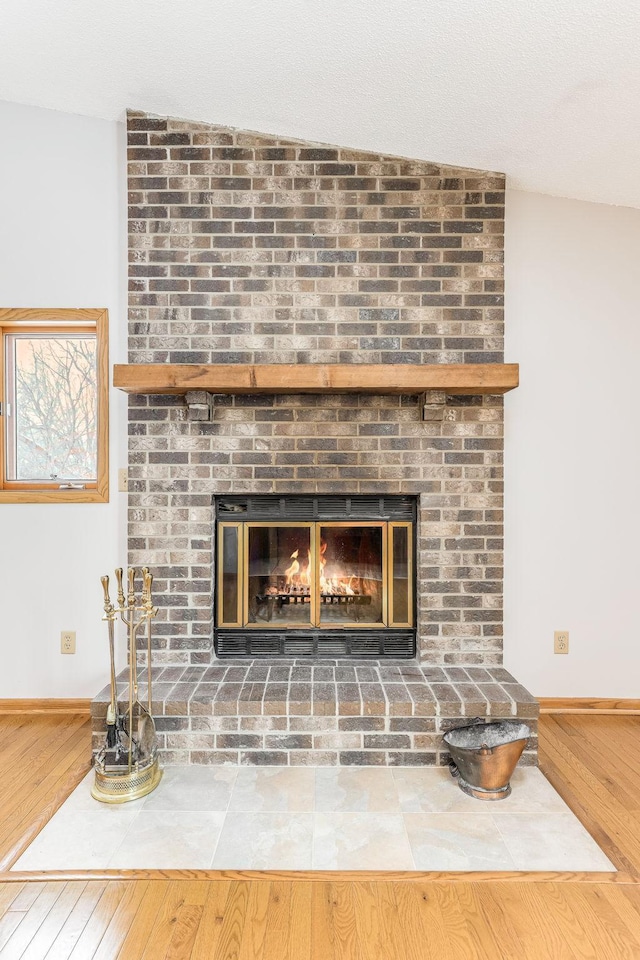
242 529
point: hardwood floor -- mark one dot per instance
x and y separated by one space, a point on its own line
42 758
593 761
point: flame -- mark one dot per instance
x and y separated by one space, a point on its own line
305 572
299 576
292 570
336 585
322 560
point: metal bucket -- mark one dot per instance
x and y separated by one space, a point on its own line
484 756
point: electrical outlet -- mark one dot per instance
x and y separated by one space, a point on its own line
561 641
68 641
123 480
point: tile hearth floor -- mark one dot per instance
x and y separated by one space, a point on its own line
317 818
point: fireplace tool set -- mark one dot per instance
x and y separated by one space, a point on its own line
127 764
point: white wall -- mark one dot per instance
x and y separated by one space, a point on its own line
572 452
62 243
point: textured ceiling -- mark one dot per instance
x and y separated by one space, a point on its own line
548 92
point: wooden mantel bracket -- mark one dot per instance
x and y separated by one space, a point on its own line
288 378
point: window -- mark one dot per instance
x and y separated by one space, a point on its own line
54 406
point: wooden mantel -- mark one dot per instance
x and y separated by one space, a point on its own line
388 378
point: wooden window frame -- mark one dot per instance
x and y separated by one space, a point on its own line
65 321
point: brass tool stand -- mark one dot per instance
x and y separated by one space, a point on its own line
128 769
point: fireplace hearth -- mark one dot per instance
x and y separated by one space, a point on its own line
325 576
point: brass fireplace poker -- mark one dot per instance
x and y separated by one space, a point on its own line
127 764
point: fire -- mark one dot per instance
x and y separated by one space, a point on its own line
298 576
336 585
305 574
323 563
291 571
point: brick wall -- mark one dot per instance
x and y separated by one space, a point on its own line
247 248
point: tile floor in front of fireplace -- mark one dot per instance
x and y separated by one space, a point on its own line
317 818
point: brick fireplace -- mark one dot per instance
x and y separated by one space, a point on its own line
247 249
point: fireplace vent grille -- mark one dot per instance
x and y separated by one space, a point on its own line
316 508
316 643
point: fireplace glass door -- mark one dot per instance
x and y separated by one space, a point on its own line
327 575
352 574
279 562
